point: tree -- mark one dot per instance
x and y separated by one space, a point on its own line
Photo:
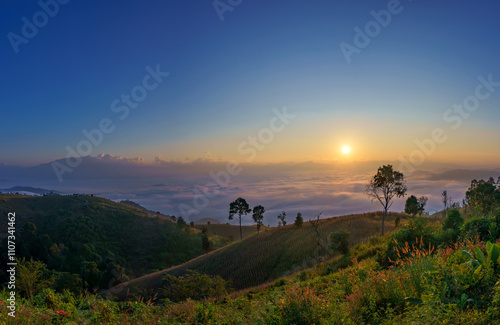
385 185
415 206
319 238
181 222
453 220
239 207
445 201
282 217
422 202
299 220
339 242
483 195
30 276
205 242
258 216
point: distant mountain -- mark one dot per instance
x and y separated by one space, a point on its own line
29 189
465 175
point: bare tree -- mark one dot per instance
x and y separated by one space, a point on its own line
320 240
445 201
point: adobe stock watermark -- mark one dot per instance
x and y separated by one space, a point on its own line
30 27
223 6
373 28
249 148
121 106
454 117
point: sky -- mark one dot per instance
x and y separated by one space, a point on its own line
226 77
256 82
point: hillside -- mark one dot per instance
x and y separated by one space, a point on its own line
273 253
149 212
95 238
230 232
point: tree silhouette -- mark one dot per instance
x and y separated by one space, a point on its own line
415 206
239 207
299 220
385 185
258 216
445 201
282 217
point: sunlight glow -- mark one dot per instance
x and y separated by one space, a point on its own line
346 149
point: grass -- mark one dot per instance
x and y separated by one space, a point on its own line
428 288
231 232
273 253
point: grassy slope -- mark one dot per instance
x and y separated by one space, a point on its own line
230 231
269 255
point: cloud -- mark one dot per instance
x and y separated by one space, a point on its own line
332 188
112 158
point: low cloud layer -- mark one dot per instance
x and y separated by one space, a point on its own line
191 189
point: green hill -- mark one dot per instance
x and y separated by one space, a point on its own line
96 239
273 253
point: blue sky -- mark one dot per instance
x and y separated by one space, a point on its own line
227 76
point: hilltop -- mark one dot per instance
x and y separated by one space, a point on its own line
149 212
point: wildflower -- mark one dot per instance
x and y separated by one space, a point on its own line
62 313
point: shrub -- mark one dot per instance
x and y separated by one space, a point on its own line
205 314
339 242
453 220
417 236
302 306
477 228
194 285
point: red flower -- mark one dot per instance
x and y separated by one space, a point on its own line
62 313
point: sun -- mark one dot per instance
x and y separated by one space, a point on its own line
346 149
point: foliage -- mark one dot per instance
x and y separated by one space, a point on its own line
299 221
453 220
281 218
181 222
418 234
239 207
384 186
478 228
484 195
339 242
74 234
415 206
302 306
194 286
30 276
481 262
258 216
423 287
